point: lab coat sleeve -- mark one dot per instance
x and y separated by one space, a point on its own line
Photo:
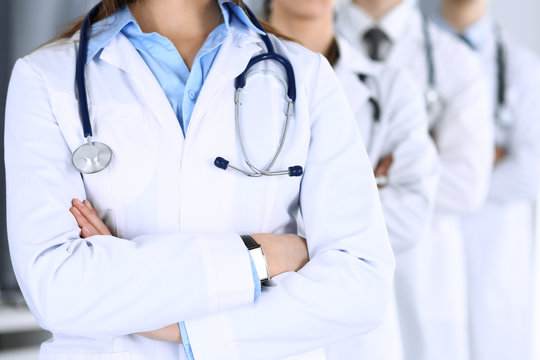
101 286
344 288
409 197
517 177
464 139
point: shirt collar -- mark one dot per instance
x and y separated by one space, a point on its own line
393 23
478 34
104 30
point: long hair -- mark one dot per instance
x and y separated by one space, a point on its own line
109 7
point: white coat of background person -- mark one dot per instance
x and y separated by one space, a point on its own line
409 195
430 280
176 255
390 113
500 237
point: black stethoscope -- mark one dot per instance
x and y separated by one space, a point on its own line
93 157
434 101
502 116
376 114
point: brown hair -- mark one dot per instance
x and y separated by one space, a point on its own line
109 7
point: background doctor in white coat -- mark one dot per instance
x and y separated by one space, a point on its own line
175 255
500 237
431 294
391 116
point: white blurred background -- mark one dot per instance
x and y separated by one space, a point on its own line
25 24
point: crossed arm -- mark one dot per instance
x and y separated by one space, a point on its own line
288 254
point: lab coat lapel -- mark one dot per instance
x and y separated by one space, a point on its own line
239 47
121 54
354 62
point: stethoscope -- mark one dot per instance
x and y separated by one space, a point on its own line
93 157
502 116
375 106
434 101
381 180
239 84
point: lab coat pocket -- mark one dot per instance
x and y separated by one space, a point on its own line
119 126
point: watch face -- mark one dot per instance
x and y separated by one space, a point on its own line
260 263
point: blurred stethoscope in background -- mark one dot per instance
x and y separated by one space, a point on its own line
93 157
434 101
372 83
503 118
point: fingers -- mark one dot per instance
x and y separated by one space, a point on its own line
500 154
90 216
384 166
87 229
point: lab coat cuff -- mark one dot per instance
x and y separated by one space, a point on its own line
211 338
256 278
185 341
230 279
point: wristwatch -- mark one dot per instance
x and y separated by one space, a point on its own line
257 254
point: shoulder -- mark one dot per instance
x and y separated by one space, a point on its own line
523 64
52 62
453 52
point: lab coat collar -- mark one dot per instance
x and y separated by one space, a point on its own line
480 34
353 59
357 21
231 60
352 63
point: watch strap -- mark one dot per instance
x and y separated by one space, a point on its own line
250 242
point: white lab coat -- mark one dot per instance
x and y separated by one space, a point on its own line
176 254
431 289
500 236
409 197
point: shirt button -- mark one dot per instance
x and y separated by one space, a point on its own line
191 94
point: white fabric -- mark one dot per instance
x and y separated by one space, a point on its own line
500 236
408 198
176 254
430 280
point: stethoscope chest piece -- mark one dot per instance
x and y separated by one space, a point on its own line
92 157
434 103
503 117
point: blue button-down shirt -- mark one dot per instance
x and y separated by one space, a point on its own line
181 86
476 35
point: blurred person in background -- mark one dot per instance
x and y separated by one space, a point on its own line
500 237
390 113
431 295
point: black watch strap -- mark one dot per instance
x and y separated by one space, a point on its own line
250 242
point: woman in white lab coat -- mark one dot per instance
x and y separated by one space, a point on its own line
391 116
175 256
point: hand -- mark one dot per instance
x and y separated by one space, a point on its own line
500 154
88 219
169 333
381 172
91 224
283 253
